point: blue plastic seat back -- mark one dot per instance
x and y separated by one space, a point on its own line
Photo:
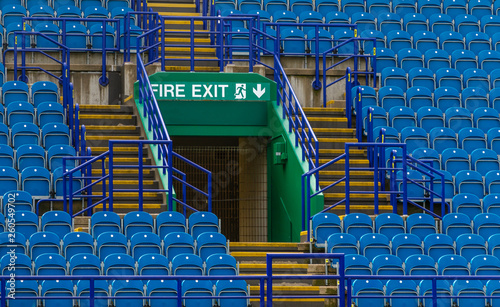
409 58
371 288
492 181
352 6
202 221
9 179
483 160
84 264
449 77
488 60
469 289
388 22
36 181
493 289
119 264
161 288
232 288
442 290
373 244
152 264
469 182
440 23
17 200
127 288
221 264
59 288
451 41
324 225
14 91
420 265
26 222
436 59
300 6
293 41
385 58
104 221
486 224
415 22
405 288
453 265
465 24
418 97
30 155
458 119
108 243
446 97
326 6
10 29
474 97
50 112
22 264
143 243
495 82
391 96
59 222
358 224
6 156
55 134
389 224
50 264
137 221
209 243
420 225
170 221
477 42
58 182
20 112
486 119
405 245
356 265
494 245
478 78
393 77
429 117
466 203
100 289
378 117
342 243
387 265
96 36
398 39
178 243
341 36
19 244
51 31
44 242
55 156
455 224
4 134
470 245
415 138
187 264
401 117
77 243
437 245
198 288
425 40
324 40
377 7
24 133
485 265
491 203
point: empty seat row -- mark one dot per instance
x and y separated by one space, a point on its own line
41 91
24 112
56 4
132 292
34 155
24 133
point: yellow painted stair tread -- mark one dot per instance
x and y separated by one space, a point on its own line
186 39
179 14
120 171
187 49
341 151
105 127
134 194
259 254
265 244
131 206
342 173
112 137
115 149
326 119
275 266
315 109
287 288
182 22
98 106
187 68
337 130
130 182
341 161
337 140
104 116
177 5
356 195
351 184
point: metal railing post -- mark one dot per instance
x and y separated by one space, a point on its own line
348 99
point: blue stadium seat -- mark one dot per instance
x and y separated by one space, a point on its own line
127 288
420 225
323 225
342 243
488 60
341 36
447 97
77 243
393 77
483 160
13 14
9 178
449 187
418 97
455 224
187 264
405 288
40 9
161 288
477 42
391 96
24 133
485 265
371 288
293 41
36 181
55 134
30 155
443 292
352 6
405 245
58 288
44 91
470 245
197 288
19 200
96 34
264 16
112 4
449 77
389 224
10 29
221 265
59 222
453 265
104 221
100 289
465 24
335 17
458 119
246 6
403 7
95 12
476 78
494 245
491 203
492 182
178 243
232 288
368 96
429 7
415 138
89 3
137 221
49 112
357 265
440 23
55 155
454 160
7 155
377 7
493 289
21 266
468 204
428 155
385 58
51 31
469 182
14 91
420 265
50 264
387 265
480 8
368 45
425 40
391 135
421 78
274 5
364 21
118 264
326 6
436 59
142 243
401 117
469 288
76 35
495 83
84 264
170 221
44 242
203 221
486 224
429 118
108 243
463 60
222 5
490 24
486 119
19 112
388 22
58 182
379 117
471 138
153 264
209 243
68 10
398 39
454 7
26 223
324 41
373 244
19 244
450 41
310 16
409 58
414 22
358 224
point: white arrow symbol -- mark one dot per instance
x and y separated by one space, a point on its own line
259 91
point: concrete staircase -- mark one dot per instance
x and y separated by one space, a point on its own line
177 43
252 260
330 126
114 122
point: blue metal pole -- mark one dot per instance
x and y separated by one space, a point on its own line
162 44
316 83
434 292
347 180
103 165
4 292
70 192
88 184
250 46
170 178
348 99
308 200
262 293
324 82
179 293
191 40
65 197
341 274
110 171
141 183
375 184
91 292
269 272
302 182
405 178
359 117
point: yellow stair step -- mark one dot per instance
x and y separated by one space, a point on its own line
104 116
259 254
342 173
133 194
342 161
131 206
326 110
351 184
262 244
181 14
112 137
186 40
196 68
355 195
275 266
188 49
130 182
104 127
98 172
341 151
98 107
287 288
182 22
327 119
172 5
338 140
115 149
